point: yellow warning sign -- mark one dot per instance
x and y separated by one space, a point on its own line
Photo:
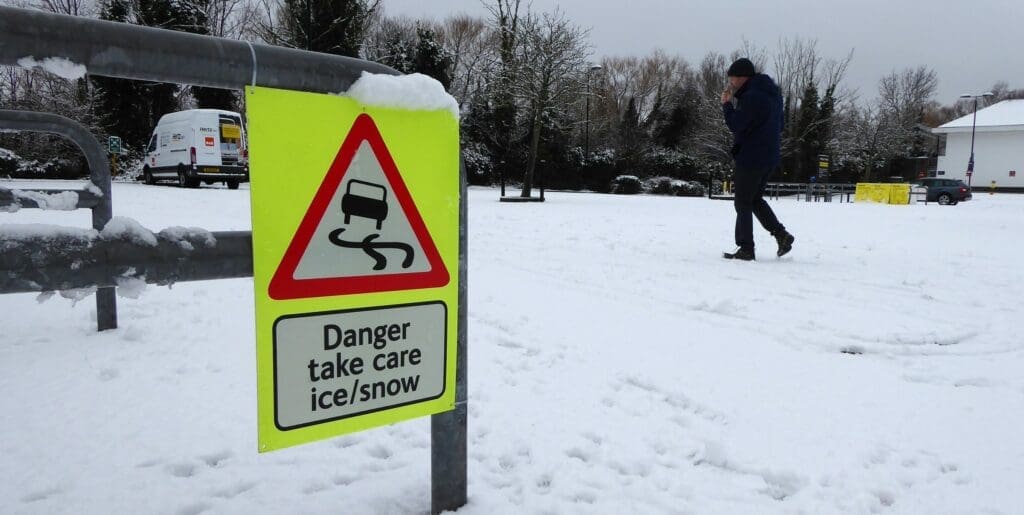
355 221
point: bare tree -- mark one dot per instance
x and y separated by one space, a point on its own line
551 53
1001 91
712 139
904 94
71 7
644 80
505 14
228 18
473 45
796 64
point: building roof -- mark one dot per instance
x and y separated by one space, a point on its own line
1005 115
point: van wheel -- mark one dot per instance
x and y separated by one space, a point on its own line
184 181
147 176
232 185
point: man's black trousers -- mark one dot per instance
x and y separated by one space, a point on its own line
749 190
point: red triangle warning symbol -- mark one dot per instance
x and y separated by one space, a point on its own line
362 232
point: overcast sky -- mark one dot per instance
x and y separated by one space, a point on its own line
970 44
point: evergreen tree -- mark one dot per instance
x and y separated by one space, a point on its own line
630 134
478 145
678 121
398 53
824 128
432 59
123 106
789 165
808 145
172 15
328 26
195 21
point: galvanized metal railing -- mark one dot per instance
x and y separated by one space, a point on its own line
101 205
143 53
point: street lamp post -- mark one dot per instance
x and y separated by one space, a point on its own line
586 137
974 122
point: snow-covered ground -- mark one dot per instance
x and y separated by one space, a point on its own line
617 365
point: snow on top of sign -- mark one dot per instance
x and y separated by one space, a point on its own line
120 227
1007 112
414 91
57 201
59 66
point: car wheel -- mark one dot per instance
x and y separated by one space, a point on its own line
232 185
945 199
147 176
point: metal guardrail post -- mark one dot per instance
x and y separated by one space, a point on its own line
448 449
99 175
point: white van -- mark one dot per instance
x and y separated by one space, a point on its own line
198 145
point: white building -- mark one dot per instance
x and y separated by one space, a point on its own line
998 147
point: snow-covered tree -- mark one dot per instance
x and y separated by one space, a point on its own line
328 26
432 58
550 55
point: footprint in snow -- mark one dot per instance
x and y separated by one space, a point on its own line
380 452
42 495
234 491
214 460
195 509
182 470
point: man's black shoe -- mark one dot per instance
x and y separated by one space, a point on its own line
741 254
785 241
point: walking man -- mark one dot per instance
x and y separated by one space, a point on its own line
753 111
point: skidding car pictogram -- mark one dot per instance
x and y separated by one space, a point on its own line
356 204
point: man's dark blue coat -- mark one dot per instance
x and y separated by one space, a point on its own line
756 123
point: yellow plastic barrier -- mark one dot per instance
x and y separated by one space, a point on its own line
882 193
899 194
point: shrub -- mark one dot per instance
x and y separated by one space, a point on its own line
626 185
479 167
682 188
8 162
659 185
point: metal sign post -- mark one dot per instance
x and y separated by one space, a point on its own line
114 149
823 171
